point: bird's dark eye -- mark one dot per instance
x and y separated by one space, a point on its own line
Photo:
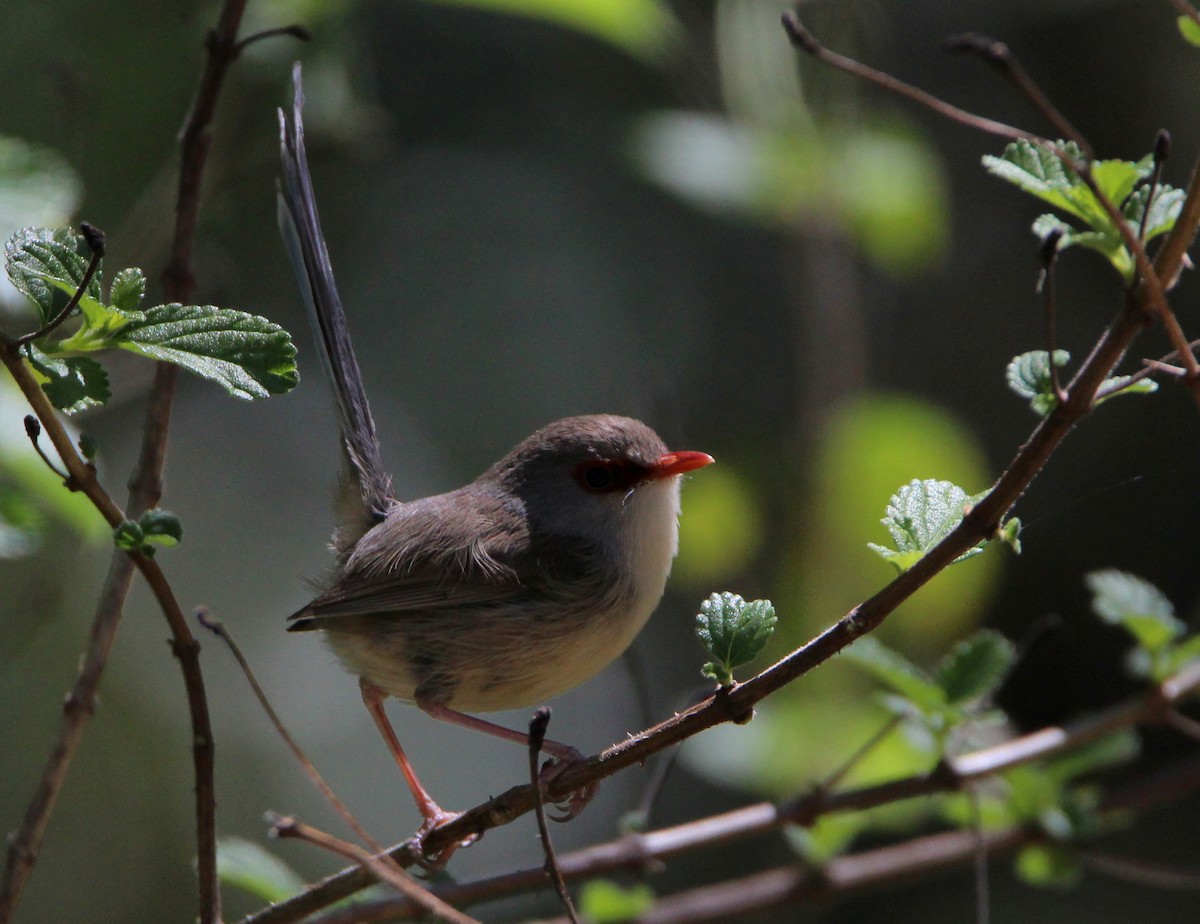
596 477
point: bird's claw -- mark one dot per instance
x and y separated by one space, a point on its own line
577 800
416 844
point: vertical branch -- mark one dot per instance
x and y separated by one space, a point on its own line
145 489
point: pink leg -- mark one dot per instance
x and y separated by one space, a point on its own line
454 717
564 754
433 813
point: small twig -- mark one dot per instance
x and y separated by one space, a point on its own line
1000 57
218 629
95 241
1162 150
1149 367
295 30
383 867
537 734
806 41
33 430
1049 256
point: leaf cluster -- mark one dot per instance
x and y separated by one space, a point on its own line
1028 376
248 355
152 529
1050 174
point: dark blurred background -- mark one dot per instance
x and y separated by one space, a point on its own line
610 206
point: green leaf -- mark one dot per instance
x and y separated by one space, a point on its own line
252 869
1028 376
975 667
919 516
1164 210
733 631
892 668
1010 534
128 289
73 383
1049 865
1042 173
129 536
1189 29
1116 387
48 266
161 526
604 902
249 355
1137 605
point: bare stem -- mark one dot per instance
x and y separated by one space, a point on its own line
382 867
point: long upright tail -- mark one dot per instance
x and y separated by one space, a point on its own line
300 225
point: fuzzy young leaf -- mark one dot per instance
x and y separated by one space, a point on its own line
1116 386
249 355
1189 29
161 526
1028 375
73 383
1137 605
247 866
733 631
48 266
975 667
919 516
890 667
1164 209
129 536
1043 173
128 289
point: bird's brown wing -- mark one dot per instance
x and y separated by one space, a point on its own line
455 550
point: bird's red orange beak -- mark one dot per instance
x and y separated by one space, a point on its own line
676 463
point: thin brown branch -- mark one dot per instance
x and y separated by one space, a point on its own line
1000 57
1049 255
806 41
979 524
537 735
218 629
382 867
1172 257
901 862
145 489
641 851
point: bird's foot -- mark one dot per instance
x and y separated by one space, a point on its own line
435 818
564 758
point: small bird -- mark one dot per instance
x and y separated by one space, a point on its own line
505 592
